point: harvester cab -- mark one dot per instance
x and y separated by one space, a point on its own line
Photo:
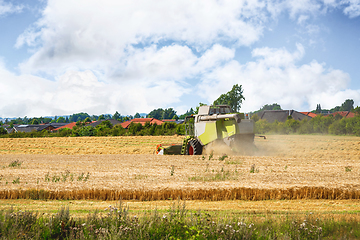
213 125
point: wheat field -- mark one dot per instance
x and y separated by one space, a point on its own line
110 168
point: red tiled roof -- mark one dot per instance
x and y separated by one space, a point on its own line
70 125
346 114
310 114
142 121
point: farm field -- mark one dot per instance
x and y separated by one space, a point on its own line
107 168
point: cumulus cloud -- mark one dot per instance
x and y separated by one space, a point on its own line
7 8
352 8
139 55
274 77
88 38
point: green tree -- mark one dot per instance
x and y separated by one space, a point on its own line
87 131
255 117
34 121
25 120
137 115
156 113
233 98
348 105
273 106
87 120
78 116
3 131
101 117
61 120
188 113
116 115
168 113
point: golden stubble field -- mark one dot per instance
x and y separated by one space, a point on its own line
309 169
129 164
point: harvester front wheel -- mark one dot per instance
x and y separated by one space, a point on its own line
194 147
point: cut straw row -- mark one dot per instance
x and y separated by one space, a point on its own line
171 194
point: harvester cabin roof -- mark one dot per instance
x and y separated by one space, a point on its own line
217 109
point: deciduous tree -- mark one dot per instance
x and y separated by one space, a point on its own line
233 98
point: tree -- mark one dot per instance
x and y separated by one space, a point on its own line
78 116
357 111
87 120
3 131
348 105
34 121
156 113
101 117
61 120
273 106
233 98
188 113
116 115
137 115
168 113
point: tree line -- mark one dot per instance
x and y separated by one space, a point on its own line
330 124
105 128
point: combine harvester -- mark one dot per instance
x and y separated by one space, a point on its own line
213 126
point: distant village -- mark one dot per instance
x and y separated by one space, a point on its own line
268 115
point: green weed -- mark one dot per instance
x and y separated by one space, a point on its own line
16 180
15 163
348 169
253 169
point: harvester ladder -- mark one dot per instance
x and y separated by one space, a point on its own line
184 145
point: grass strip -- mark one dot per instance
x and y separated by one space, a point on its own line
175 223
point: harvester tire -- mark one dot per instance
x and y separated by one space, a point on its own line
194 147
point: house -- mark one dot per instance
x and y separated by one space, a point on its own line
310 114
68 125
36 127
142 121
344 114
95 123
281 115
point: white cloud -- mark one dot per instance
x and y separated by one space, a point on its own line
134 56
275 78
302 19
102 33
352 8
6 8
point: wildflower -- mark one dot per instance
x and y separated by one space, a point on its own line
83 224
164 216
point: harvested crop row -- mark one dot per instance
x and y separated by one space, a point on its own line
168 194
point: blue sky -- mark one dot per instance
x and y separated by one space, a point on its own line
63 57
